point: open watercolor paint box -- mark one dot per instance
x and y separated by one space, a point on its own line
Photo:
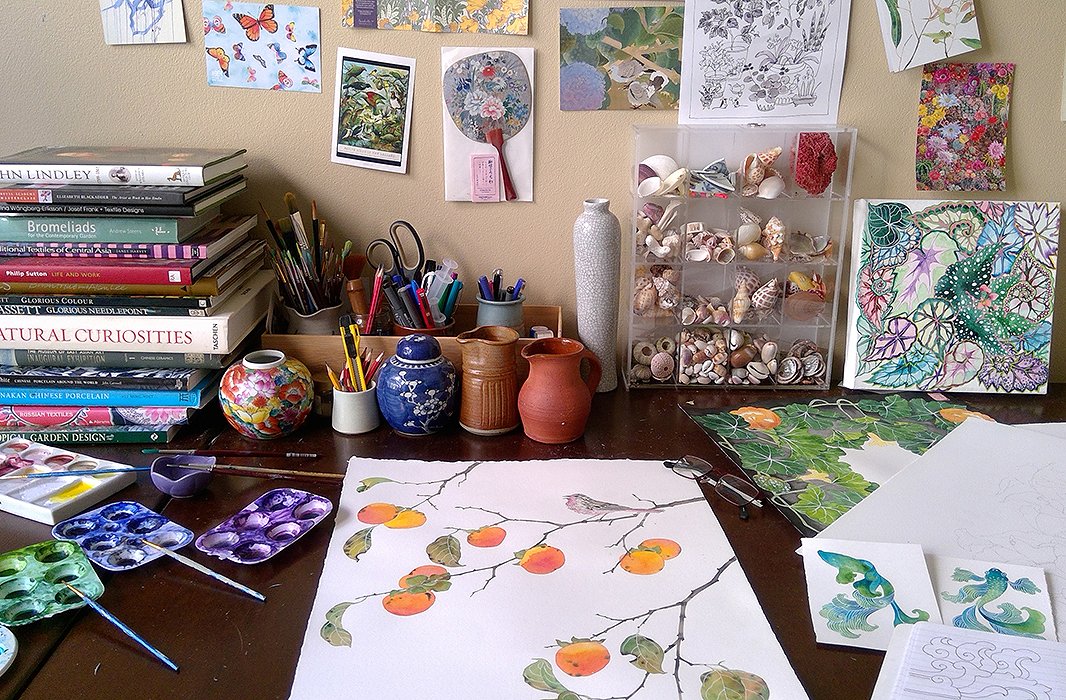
265 527
32 581
50 500
111 536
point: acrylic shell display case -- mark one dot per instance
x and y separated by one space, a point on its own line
53 499
265 527
111 536
682 329
32 581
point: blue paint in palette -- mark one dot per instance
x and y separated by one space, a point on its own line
111 535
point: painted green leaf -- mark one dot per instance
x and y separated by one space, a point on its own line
888 223
444 550
670 26
897 22
938 37
616 21
820 507
358 544
371 482
647 654
336 636
972 43
568 695
727 684
539 676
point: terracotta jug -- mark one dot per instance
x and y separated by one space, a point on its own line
554 401
489 400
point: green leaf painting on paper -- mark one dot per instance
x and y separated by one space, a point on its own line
647 653
917 32
897 22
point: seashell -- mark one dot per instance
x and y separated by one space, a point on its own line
739 375
684 379
666 344
771 367
773 236
661 165
736 339
652 211
803 306
700 357
674 183
803 347
694 227
644 171
768 352
747 216
649 186
670 274
669 296
813 365
673 242
698 255
640 373
748 233
662 366
754 251
739 306
757 370
720 316
659 250
724 254
686 357
765 297
645 297
746 279
768 158
669 214
688 316
643 352
655 232
790 371
771 187
644 224
742 356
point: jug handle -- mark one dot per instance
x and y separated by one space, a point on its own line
595 370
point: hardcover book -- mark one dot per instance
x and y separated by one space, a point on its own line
33 417
77 229
122 360
120 166
198 397
128 434
158 195
182 379
95 206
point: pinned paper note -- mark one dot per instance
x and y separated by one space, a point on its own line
484 178
143 21
921 31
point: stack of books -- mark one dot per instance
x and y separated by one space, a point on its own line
123 292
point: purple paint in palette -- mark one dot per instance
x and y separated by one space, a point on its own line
265 527
111 535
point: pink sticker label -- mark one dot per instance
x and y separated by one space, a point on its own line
484 181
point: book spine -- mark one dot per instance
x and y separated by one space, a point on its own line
90 194
203 287
59 272
102 301
112 359
20 396
81 436
100 174
139 251
97 209
73 229
52 381
76 310
35 417
141 334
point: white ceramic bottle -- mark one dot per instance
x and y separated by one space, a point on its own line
597 254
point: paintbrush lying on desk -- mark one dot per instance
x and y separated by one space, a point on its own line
208 452
262 472
204 570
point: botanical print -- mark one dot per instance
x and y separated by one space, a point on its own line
816 460
921 31
472 16
952 296
760 60
620 57
579 587
372 110
262 46
993 597
962 127
143 21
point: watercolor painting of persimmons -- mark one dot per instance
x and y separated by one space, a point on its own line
563 579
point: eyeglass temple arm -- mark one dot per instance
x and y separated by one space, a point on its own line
714 482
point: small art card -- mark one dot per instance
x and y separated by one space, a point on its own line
143 21
262 46
921 31
620 57
470 16
962 127
372 110
859 592
1008 599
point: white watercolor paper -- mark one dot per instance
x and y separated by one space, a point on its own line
858 592
986 491
763 61
143 21
492 624
917 32
986 596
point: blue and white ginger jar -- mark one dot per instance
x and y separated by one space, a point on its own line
418 390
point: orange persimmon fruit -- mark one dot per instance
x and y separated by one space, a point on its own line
426 570
668 549
405 519
582 657
377 513
407 603
642 561
958 415
542 559
488 536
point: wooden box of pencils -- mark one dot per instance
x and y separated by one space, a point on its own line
317 351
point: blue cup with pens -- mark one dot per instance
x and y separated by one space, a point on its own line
499 306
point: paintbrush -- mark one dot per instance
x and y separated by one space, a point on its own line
297 221
315 236
122 626
271 228
231 453
264 472
76 472
204 570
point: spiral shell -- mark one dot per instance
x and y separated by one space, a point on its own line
748 233
773 236
765 297
740 305
669 295
645 296
789 370
753 251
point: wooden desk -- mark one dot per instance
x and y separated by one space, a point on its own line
231 646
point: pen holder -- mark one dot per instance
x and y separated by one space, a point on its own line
445 330
322 322
356 412
501 313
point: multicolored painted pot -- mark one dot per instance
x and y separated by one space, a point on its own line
266 395
417 388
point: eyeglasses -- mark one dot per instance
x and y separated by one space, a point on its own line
739 492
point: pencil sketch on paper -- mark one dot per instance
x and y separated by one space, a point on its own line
917 32
980 591
143 21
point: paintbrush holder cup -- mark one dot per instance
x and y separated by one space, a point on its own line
356 412
322 322
501 313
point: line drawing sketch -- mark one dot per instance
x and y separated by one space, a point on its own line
143 21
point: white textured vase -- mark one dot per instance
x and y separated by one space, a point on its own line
597 254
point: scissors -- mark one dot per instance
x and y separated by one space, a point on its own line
401 264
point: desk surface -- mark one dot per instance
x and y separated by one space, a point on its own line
229 645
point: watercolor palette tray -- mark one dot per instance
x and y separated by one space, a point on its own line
111 535
32 578
265 527
51 500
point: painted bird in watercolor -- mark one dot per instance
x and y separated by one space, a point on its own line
872 592
580 503
1009 619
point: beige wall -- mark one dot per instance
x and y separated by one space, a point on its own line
62 84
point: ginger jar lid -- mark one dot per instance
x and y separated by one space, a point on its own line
418 348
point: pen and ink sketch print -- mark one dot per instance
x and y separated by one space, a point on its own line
620 57
758 60
143 21
990 597
469 16
581 589
953 296
815 461
917 32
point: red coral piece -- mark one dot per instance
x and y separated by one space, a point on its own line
814 161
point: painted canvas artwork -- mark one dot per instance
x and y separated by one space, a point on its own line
815 461
262 46
620 57
470 16
952 295
917 32
532 580
763 60
143 21
962 127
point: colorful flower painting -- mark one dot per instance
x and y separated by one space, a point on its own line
921 31
962 127
620 57
470 16
952 296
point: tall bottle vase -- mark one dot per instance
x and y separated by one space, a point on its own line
597 255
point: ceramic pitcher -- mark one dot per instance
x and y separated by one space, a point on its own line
554 401
489 399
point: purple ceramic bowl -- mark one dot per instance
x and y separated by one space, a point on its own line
171 475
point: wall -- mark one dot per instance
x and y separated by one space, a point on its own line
62 84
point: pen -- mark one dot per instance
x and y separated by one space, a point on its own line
509 294
442 303
484 288
410 303
518 287
423 306
393 300
497 281
453 298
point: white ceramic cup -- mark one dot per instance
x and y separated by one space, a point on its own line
356 412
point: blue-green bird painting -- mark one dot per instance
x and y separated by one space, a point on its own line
849 617
1026 622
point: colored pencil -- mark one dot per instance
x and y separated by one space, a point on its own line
204 570
122 626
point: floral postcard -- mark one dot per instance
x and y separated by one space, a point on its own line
763 60
470 16
962 127
859 592
143 21
262 46
917 32
620 57
952 296
815 461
